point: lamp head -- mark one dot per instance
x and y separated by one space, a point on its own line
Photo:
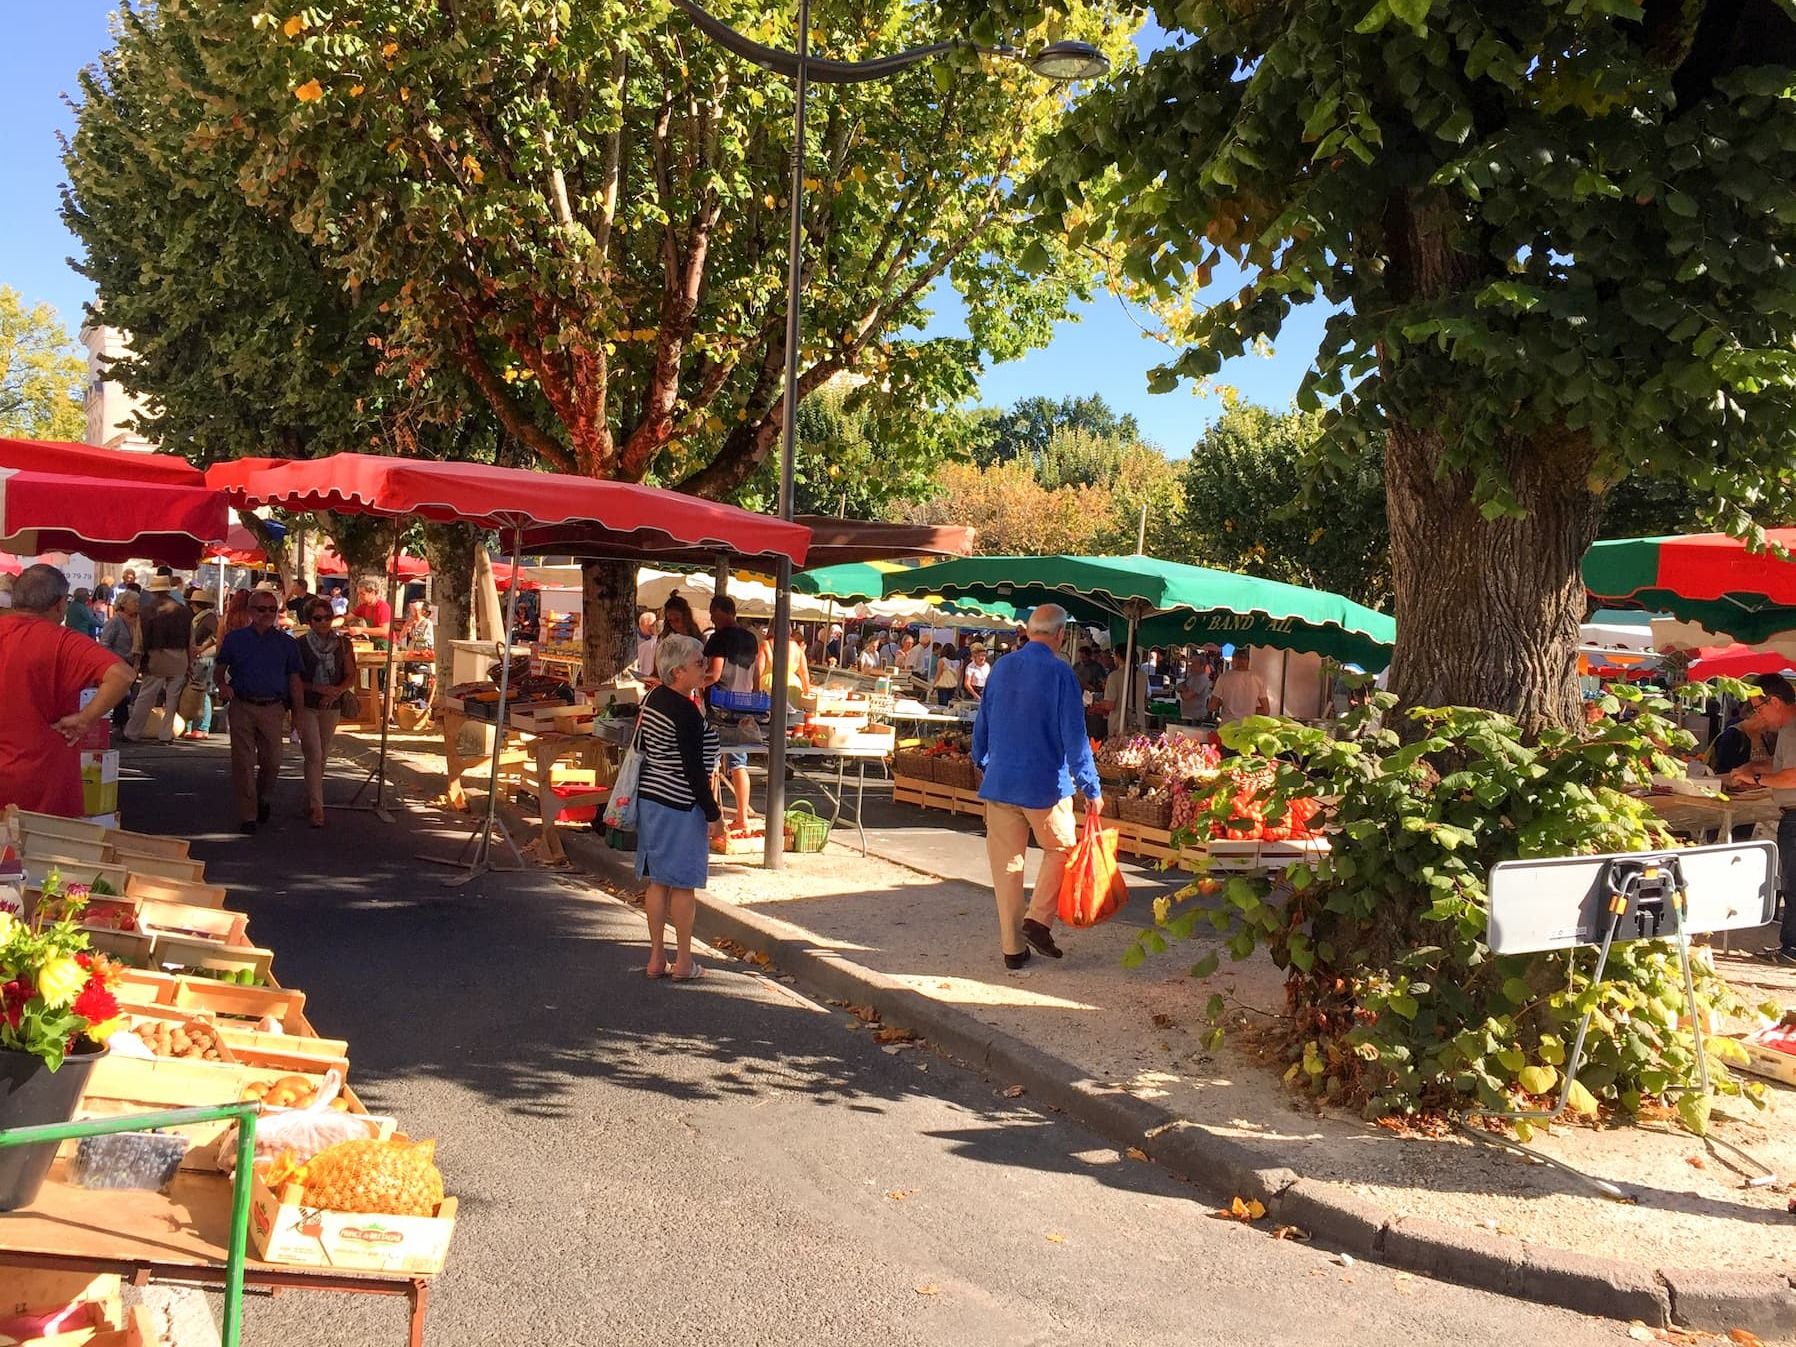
1067 61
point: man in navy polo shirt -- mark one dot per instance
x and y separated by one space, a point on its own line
258 675
1030 740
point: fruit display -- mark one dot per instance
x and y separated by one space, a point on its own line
196 1039
386 1178
291 1092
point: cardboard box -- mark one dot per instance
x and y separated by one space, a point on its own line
284 1230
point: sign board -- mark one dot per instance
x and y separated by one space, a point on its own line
1561 902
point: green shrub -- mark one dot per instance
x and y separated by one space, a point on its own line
1397 1004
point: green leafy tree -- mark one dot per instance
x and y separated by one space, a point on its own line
1558 235
1027 428
580 210
41 373
1249 506
1015 515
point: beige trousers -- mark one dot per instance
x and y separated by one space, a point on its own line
316 725
258 734
150 690
1007 830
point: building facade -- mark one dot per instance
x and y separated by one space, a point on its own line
109 407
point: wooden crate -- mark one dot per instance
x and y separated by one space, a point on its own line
161 917
186 951
120 1085
71 849
72 870
284 1005
1769 1062
177 868
148 844
139 885
1242 857
1142 839
53 825
284 1229
301 1053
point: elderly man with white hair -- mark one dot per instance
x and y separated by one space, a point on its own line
1030 740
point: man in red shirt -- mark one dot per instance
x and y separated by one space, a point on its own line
374 611
44 669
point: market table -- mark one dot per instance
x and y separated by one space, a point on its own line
179 1236
536 752
1695 815
797 755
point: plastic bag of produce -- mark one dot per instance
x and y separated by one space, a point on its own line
301 1132
1093 889
388 1178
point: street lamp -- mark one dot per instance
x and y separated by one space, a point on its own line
1061 61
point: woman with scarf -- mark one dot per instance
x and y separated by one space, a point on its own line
327 665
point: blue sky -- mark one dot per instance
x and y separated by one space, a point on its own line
1104 351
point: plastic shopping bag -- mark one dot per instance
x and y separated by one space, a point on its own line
1094 889
620 808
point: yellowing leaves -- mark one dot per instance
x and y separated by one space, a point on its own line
1252 1209
390 50
357 90
294 26
309 92
472 166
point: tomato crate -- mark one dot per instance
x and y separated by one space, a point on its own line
140 885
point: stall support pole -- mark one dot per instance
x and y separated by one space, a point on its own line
480 841
1128 689
385 701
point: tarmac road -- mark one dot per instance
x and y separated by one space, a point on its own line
726 1162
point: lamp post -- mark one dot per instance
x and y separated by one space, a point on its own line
1060 61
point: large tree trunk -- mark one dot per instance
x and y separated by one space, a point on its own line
449 548
608 617
1488 610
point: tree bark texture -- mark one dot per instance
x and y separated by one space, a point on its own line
1488 610
449 548
608 618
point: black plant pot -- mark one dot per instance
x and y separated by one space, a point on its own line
32 1094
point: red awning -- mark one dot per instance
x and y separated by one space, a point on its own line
506 498
410 567
834 542
107 520
89 460
240 547
1735 661
504 572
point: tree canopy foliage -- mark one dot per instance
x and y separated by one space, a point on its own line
1558 234
41 373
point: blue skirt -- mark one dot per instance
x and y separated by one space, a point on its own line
673 846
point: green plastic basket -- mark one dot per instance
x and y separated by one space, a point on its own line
805 831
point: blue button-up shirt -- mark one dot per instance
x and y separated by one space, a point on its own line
260 665
1030 734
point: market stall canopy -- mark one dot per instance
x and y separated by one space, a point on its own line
1669 634
90 460
507 498
333 566
753 598
1175 604
240 547
1735 661
505 576
832 541
1618 629
1706 578
100 518
848 582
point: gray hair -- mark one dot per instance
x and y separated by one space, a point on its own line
126 598
672 652
1048 620
39 588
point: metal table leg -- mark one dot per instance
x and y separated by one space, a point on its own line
860 806
420 1299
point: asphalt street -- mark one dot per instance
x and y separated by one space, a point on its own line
726 1161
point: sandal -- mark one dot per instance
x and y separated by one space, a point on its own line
654 977
698 971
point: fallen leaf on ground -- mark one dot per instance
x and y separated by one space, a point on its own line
1695 1162
865 1014
1239 1210
899 1194
1164 1021
928 1290
891 1033
1136 1153
1745 1337
1054 1237
1014 1092
1290 1232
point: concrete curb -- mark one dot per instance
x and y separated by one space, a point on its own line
1661 1297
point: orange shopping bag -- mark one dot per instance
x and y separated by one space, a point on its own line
1094 889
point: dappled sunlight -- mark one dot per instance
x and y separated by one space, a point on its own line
973 992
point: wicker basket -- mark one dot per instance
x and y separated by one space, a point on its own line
1149 811
805 831
1111 774
914 763
956 772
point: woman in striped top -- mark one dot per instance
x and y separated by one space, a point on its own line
676 811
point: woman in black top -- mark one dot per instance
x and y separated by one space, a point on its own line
676 811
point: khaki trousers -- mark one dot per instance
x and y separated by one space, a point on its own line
258 734
150 690
1007 830
316 725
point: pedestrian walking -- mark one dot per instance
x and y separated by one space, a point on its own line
167 654
327 664
676 811
1030 741
123 638
79 616
44 669
258 677
206 624
733 669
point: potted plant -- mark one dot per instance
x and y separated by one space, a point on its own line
56 1012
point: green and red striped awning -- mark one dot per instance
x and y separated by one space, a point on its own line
1710 578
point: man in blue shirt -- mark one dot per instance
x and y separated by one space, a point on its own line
1030 741
258 676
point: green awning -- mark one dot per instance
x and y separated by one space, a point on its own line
1175 604
1708 578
